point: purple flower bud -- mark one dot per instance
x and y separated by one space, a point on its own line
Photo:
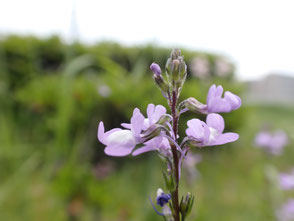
162 198
155 69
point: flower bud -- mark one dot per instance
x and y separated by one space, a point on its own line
194 105
155 68
164 119
153 131
169 181
186 204
161 83
176 69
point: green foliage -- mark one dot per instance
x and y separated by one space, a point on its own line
52 97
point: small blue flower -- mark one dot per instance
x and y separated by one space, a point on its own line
162 198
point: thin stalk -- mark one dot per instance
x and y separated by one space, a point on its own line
175 194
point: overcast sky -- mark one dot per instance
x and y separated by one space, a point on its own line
258 35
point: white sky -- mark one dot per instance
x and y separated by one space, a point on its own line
258 35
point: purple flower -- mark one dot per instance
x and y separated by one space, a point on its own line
216 104
153 115
273 143
286 213
287 180
162 198
160 144
122 142
209 133
155 68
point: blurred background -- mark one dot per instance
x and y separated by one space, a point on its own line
66 65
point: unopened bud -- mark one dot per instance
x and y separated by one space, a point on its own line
153 131
169 181
176 69
164 119
186 204
155 68
161 83
175 53
194 105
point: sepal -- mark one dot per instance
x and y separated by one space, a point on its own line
186 205
169 180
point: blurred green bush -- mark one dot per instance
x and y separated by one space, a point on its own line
54 94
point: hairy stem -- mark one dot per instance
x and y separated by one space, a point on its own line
175 194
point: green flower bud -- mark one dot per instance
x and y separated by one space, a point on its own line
169 181
186 205
176 70
160 82
194 105
153 131
163 119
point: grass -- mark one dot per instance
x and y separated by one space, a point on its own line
232 186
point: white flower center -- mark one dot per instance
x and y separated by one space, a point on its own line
122 138
159 192
213 134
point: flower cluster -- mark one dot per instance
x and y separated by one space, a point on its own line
154 132
159 131
272 143
286 182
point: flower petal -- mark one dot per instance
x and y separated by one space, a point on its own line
126 125
143 149
137 122
216 121
118 151
234 100
219 91
211 93
195 128
158 112
150 112
219 105
100 132
225 138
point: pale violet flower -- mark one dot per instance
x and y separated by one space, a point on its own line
273 143
216 104
121 142
209 133
160 144
153 115
287 180
286 213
